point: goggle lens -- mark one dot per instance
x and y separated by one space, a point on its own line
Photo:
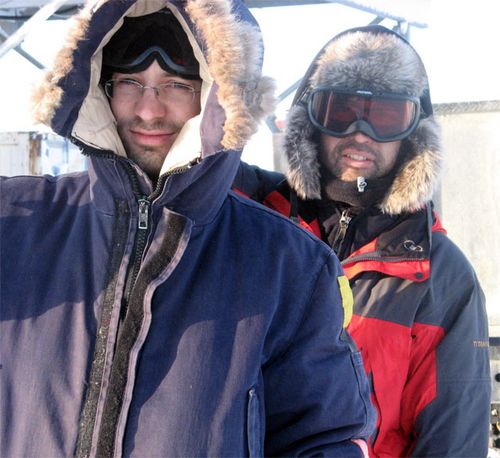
340 113
142 39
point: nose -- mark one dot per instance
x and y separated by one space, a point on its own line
360 137
149 107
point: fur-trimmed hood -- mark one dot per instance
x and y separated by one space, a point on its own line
376 59
227 43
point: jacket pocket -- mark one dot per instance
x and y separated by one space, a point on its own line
254 425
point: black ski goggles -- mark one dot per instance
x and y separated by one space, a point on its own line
382 117
141 40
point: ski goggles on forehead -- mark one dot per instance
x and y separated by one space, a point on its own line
382 117
175 64
141 40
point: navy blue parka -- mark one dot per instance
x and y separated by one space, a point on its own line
182 320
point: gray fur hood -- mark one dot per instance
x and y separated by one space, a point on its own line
380 62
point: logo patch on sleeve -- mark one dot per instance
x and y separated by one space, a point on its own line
347 299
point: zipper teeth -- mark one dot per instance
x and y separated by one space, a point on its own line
377 258
90 151
143 232
140 241
134 273
344 221
163 178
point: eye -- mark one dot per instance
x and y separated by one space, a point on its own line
127 82
178 86
122 87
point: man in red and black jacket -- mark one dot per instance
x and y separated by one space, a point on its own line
364 155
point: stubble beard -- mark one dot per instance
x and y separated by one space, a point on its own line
149 158
334 164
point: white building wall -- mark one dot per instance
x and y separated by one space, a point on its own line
469 198
14 153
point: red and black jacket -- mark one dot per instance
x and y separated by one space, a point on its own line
419 320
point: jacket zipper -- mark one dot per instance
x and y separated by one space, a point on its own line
143 224
144 204
139 246
344 221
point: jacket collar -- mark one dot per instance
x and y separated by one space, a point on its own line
402 251
197 193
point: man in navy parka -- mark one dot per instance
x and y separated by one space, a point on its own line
146 309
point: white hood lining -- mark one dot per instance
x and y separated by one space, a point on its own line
96 120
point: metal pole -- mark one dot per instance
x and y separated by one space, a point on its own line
40 16
3 37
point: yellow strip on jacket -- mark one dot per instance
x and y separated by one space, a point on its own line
347 299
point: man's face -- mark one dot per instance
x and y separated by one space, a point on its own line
149 124
357 155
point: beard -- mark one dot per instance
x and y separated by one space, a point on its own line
332 161
150 158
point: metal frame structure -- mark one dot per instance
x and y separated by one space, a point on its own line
19 17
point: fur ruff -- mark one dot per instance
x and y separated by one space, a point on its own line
47 97
382 63
234 55
235 62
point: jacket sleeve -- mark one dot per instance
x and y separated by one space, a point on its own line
254 182
316 391
455 423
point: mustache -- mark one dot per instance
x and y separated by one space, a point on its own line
351 143
156 124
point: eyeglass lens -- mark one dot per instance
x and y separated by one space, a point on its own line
169 92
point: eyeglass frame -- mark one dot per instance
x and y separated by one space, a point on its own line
108 87
360 125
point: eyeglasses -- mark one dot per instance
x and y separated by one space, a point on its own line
171 92
383 117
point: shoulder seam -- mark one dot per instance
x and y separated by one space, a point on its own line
273 213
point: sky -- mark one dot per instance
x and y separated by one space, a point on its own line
459 47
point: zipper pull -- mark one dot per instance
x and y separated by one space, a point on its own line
143 220
344 221
361 183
